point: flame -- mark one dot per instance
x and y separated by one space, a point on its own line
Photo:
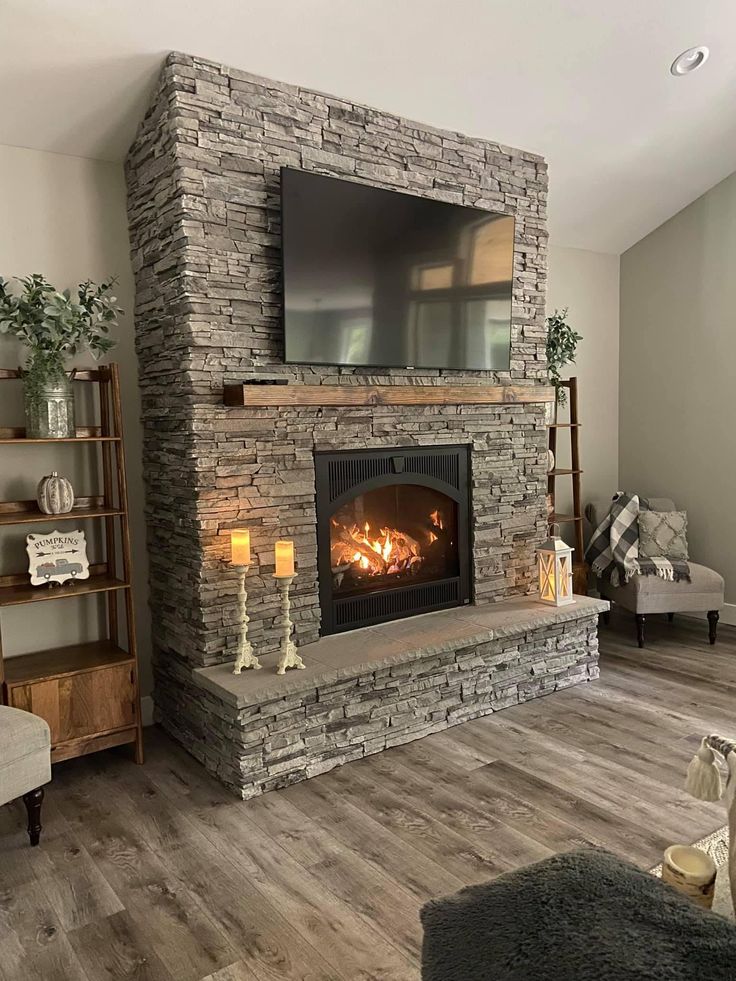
361 560
388 551
436 519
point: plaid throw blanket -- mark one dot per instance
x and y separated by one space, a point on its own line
613 551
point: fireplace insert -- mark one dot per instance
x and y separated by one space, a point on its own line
393 533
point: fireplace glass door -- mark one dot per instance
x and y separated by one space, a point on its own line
392 533
393 536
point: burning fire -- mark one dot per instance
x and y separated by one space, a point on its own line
383 548
385 552
436 519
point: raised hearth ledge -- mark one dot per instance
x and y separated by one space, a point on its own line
319 395
348 655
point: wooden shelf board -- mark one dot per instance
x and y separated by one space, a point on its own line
336 395
31 514
101 373
59 662
561 471
22 440
562 519
564 425
25 593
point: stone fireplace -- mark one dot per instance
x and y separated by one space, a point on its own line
397 506
392 534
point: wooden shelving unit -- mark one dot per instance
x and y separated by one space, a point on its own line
88 693
580 570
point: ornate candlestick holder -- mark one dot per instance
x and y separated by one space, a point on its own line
289 656
246 658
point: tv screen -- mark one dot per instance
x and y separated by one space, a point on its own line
384 279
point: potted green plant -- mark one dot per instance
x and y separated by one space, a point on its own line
54 326
562 342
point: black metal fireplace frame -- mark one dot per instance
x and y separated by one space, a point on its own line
344 474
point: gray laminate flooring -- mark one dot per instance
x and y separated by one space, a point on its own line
156 873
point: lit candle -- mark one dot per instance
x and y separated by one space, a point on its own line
240 546
284 560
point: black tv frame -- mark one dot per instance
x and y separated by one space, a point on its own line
340 364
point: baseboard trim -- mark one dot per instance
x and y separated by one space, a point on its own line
728 614
147 710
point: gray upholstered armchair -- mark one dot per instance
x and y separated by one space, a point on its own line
647 595
25 763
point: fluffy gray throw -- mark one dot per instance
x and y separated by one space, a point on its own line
582 916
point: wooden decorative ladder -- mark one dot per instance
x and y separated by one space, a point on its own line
580 569
88 693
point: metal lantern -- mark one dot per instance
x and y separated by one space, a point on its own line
554 561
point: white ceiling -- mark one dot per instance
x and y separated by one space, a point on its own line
584 82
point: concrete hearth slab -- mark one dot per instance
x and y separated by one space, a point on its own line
349 655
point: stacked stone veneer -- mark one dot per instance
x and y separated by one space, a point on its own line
278 739
203 181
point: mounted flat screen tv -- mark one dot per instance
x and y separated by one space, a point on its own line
384 279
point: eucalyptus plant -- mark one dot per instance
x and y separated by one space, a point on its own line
54 326
562 342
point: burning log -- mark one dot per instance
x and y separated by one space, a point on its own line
407 543
352 545
361 552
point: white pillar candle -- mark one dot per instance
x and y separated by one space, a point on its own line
240 546
284 560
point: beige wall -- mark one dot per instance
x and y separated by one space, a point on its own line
678 372
588 284
65 217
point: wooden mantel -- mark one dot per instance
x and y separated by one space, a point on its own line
331 395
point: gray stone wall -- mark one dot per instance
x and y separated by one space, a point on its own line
203 179
273 487
282 740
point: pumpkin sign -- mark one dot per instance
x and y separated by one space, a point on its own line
55 494
57 557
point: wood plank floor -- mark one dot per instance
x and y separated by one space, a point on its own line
155 873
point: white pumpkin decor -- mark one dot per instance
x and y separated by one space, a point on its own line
55 494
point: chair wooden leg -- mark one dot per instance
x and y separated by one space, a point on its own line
640 621
670 617
33 800
713 617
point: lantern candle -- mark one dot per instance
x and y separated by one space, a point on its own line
284 560
554 559
240 546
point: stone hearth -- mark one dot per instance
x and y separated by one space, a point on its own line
381 686
203 181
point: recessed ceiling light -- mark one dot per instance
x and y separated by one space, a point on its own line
690 60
